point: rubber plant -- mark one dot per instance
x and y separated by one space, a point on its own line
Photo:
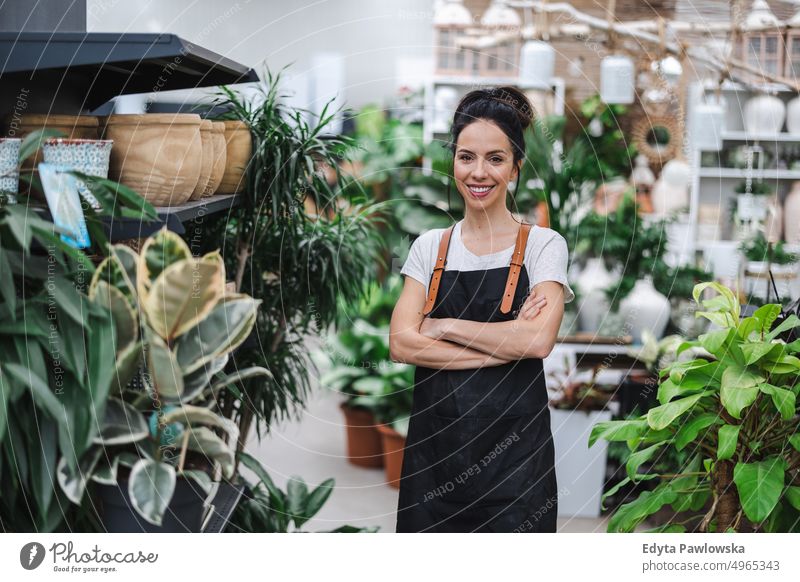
733 408
176 326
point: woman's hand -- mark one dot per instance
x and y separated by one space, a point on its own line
532 306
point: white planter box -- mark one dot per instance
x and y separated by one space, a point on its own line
580 471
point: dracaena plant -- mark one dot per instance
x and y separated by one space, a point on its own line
175 326
733 409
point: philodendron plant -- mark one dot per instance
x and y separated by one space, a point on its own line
734 409
175 326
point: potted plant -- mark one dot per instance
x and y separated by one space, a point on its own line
733 410
763 257
638 389
578 406
161 438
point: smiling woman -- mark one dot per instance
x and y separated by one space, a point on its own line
480 308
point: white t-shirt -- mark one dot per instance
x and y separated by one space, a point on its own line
546 257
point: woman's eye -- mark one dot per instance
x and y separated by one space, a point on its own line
496 160
465 158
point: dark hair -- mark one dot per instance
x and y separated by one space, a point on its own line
507 107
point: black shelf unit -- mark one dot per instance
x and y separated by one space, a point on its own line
77 72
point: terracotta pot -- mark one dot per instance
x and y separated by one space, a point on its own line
393 446
158 155
364 447
206 160
218 157
72 126
239 148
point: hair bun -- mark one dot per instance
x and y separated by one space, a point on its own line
517 100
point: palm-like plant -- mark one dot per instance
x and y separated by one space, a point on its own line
298 265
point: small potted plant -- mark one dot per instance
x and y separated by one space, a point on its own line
161 441
763 257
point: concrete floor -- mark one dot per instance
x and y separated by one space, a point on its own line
313 447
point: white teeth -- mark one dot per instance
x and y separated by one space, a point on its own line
480 190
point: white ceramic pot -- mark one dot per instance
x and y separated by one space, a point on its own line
764 115
617 80
592 282
793 116
670 193
752 207
645 309
791 215
580 470
708 123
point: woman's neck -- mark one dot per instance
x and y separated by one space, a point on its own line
488 222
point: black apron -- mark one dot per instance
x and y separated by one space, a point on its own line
479 454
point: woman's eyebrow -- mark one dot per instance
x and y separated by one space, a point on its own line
465 150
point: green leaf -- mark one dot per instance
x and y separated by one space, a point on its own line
766 316
190 415
739 389
728 437
203 440
690 429
784 400
660 417
239 376
202 478
792 495
224 329
790 322
126 325
73 481
760 486
165 373
753 352
159 252
315 500
714 341
629 515
794 440
276 495
122 424
151 485
183 295
636 459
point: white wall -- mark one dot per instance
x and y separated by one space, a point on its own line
370 34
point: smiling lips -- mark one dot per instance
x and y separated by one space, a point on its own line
479 191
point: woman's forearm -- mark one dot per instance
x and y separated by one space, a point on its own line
443 355
511 340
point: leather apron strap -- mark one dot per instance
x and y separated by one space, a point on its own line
516 266
438 269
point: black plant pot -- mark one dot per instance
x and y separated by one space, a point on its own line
184 513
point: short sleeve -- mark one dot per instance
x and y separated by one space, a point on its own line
551 264
416 265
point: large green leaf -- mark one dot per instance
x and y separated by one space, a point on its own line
203 440
239 376
73 480
783 399
122 424
636 459
760 486
715 342
225 328
690 429
190 415
150 486
753 352
790 322
125 321
165 375
197 382
660 417
793 496
159 252
128 362
629 515
182 295
739 389
728 437
314 501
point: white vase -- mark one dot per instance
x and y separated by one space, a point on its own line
645 309
670 193
773 223
791 215
764 115
793 116
592 283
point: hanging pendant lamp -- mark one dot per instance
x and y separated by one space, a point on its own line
537 63
617 80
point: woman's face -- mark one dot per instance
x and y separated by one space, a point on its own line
483 164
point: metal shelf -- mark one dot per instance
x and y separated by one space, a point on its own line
743 173
74 72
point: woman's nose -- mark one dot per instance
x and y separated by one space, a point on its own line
480 169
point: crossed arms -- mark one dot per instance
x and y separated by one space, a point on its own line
458 344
